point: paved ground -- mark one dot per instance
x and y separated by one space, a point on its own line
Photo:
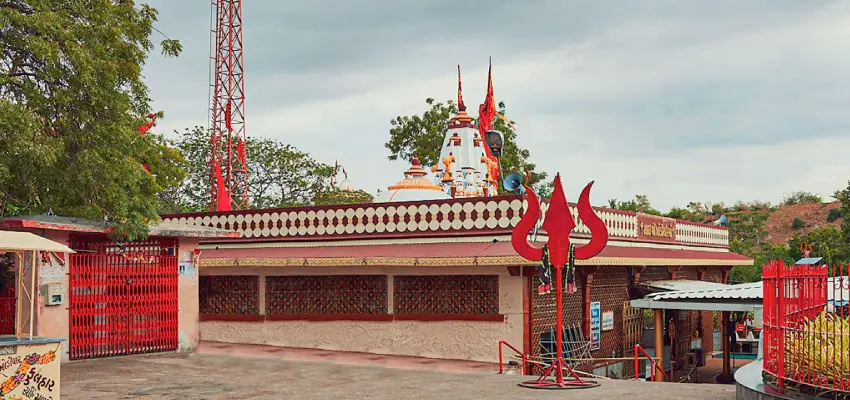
222 376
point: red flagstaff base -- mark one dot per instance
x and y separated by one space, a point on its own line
558 382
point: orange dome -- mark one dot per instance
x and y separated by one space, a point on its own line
413 178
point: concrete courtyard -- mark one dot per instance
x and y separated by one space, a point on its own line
221 375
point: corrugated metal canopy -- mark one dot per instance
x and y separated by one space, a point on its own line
701 295
809 261
717 291
681 284
25 241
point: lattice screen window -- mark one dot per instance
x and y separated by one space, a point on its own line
446 295
326 295
229 295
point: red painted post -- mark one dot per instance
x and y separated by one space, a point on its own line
780 353
559 329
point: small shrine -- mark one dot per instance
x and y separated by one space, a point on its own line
413 187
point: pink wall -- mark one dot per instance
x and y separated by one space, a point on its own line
53 321
187 287
460 340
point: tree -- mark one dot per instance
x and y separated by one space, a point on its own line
827 242
337 196
834 215
639 204
279 175
545 189
747 232
71 98
753 273
801 197
798 223
843 196
423 136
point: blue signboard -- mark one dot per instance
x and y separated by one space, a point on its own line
595 325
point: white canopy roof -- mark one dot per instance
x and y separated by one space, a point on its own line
18 241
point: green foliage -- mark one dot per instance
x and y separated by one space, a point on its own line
423 135
544 189
801 197
827 242
834 214
279 176
798 223
337 196
71 97
761 257
844 197
639 204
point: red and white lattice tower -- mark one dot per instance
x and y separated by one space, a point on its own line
228 161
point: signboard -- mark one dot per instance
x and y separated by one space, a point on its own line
52 266
656 228
32 372
607 321
186 268
595 331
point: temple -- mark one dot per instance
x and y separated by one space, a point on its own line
466 167
428 270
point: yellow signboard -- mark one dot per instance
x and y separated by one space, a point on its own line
30 372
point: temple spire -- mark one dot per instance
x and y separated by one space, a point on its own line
460 105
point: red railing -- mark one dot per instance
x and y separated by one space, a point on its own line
806 336
7 311
656 364
502 365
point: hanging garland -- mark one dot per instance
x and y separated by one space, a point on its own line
135 257
571 276
544 273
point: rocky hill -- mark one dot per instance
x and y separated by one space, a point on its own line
779 223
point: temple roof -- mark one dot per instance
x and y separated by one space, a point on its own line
464 169
413 187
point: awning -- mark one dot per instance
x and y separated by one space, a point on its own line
25 241
68 224
703 296
452 254
681 284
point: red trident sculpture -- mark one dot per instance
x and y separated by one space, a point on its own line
558 225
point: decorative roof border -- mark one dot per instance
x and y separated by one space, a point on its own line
452 217
449 262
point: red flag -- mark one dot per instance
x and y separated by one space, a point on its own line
147 125
486 113
222 197
143 130
460 105
227 119
243 156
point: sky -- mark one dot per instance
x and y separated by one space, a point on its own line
711 101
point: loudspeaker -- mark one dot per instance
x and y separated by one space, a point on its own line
722 221
513 183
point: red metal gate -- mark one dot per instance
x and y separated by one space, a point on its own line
123 299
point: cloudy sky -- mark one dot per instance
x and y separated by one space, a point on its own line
680 100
